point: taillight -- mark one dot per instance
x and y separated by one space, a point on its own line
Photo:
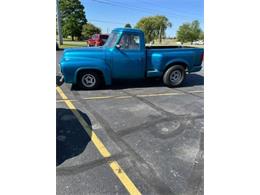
202 56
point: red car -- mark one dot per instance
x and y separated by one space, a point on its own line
97 40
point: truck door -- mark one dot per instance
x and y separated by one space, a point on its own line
128 58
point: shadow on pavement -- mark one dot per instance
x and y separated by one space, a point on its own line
71 138
193 80
190 80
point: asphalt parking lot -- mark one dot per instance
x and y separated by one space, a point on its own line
153 132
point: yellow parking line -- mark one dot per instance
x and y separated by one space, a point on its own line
159 94
196 92
99 97
127 96
123 97
118 171
64 100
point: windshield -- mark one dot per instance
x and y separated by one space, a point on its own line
111 41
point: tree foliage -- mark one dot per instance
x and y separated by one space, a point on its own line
189 32
183 33
128 25
162 24
73 17
154 27
89 29
201 37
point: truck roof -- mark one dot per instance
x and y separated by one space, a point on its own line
128 30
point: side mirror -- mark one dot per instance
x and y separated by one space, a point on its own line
118 46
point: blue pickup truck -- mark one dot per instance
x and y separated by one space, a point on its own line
125 56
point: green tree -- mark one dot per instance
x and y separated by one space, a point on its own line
73 17
162 23
147 25
183 33
201 37
89 29
195 30
189 32
128 25
153 27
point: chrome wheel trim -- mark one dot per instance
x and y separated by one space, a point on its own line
176 76
88 80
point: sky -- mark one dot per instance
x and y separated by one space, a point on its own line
110 14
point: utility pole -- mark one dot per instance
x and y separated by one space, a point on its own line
59 23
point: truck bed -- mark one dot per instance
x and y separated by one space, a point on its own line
159 57
167 47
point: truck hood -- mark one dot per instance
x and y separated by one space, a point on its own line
83 53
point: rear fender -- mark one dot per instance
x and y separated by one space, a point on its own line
177 62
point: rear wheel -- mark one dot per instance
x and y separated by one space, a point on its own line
89 80
174 76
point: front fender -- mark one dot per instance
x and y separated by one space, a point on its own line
71 67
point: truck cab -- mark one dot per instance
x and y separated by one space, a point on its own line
125 56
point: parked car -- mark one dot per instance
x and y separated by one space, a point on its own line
125 56
97 40
199 42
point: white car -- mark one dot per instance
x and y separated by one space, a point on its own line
199 42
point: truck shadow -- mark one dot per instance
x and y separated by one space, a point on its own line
193 80
190 80
71 138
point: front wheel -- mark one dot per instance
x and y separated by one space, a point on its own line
89 80
174 76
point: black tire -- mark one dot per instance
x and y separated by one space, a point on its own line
174 76
89 80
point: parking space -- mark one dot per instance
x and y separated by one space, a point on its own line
153 132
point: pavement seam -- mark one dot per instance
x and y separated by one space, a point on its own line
130 130
189 93
150 104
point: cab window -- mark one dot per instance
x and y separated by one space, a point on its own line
130 42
